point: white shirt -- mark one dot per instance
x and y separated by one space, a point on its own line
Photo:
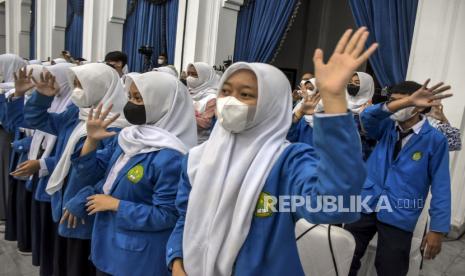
416 129
119 164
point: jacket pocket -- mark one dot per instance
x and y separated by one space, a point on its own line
131 243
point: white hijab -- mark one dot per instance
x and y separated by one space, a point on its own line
59 60
35 61
227 174
9 64
59 104
169 114
167 69
101 84
209 79
365 93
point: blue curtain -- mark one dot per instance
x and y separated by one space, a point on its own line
152 25
32 31
391 24
75 21
260 27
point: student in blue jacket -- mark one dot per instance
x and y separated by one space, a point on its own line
93 84
411 158
227 225
41 161
134 201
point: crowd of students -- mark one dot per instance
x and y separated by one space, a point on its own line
117 173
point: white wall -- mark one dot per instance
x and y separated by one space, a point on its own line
438 53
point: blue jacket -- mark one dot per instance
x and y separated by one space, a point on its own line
131 241
423 163
301 132
334 167
60 125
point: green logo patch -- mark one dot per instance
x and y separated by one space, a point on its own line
135 174
264 205
417 156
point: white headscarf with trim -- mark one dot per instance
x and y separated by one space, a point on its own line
101 84
207 75
227 174
365 93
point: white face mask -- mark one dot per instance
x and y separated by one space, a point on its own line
78 97
193 82
234 115
403 114
161 61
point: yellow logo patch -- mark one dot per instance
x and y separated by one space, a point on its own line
417 156
135 174
264 205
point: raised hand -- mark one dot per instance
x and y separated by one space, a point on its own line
46 85
309 103
333 76
97 124
426 97
23 81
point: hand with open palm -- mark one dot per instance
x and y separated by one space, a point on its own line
46 85
23 81
428 97
97 124
332 77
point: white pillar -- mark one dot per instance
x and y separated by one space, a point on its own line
2 28
51 28
210 31
17 26
103 27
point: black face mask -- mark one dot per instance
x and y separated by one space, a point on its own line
134 113
353 89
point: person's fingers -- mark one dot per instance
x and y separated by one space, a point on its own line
29 75
64 217
93 211
360 45
442 96
106 112
318 58
90 116
364 57
42 77
75 221
34 80
70 220
15 76
441 89
23 164
341 45
111 121
436 86
425 84
98 111
353 42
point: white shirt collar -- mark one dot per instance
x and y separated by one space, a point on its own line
417 127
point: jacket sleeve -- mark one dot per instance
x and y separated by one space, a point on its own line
332 172
375 120
90 169
440 208
15 111
37 116
174 245
161 214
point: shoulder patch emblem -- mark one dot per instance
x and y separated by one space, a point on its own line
264 205
416 156
136 173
